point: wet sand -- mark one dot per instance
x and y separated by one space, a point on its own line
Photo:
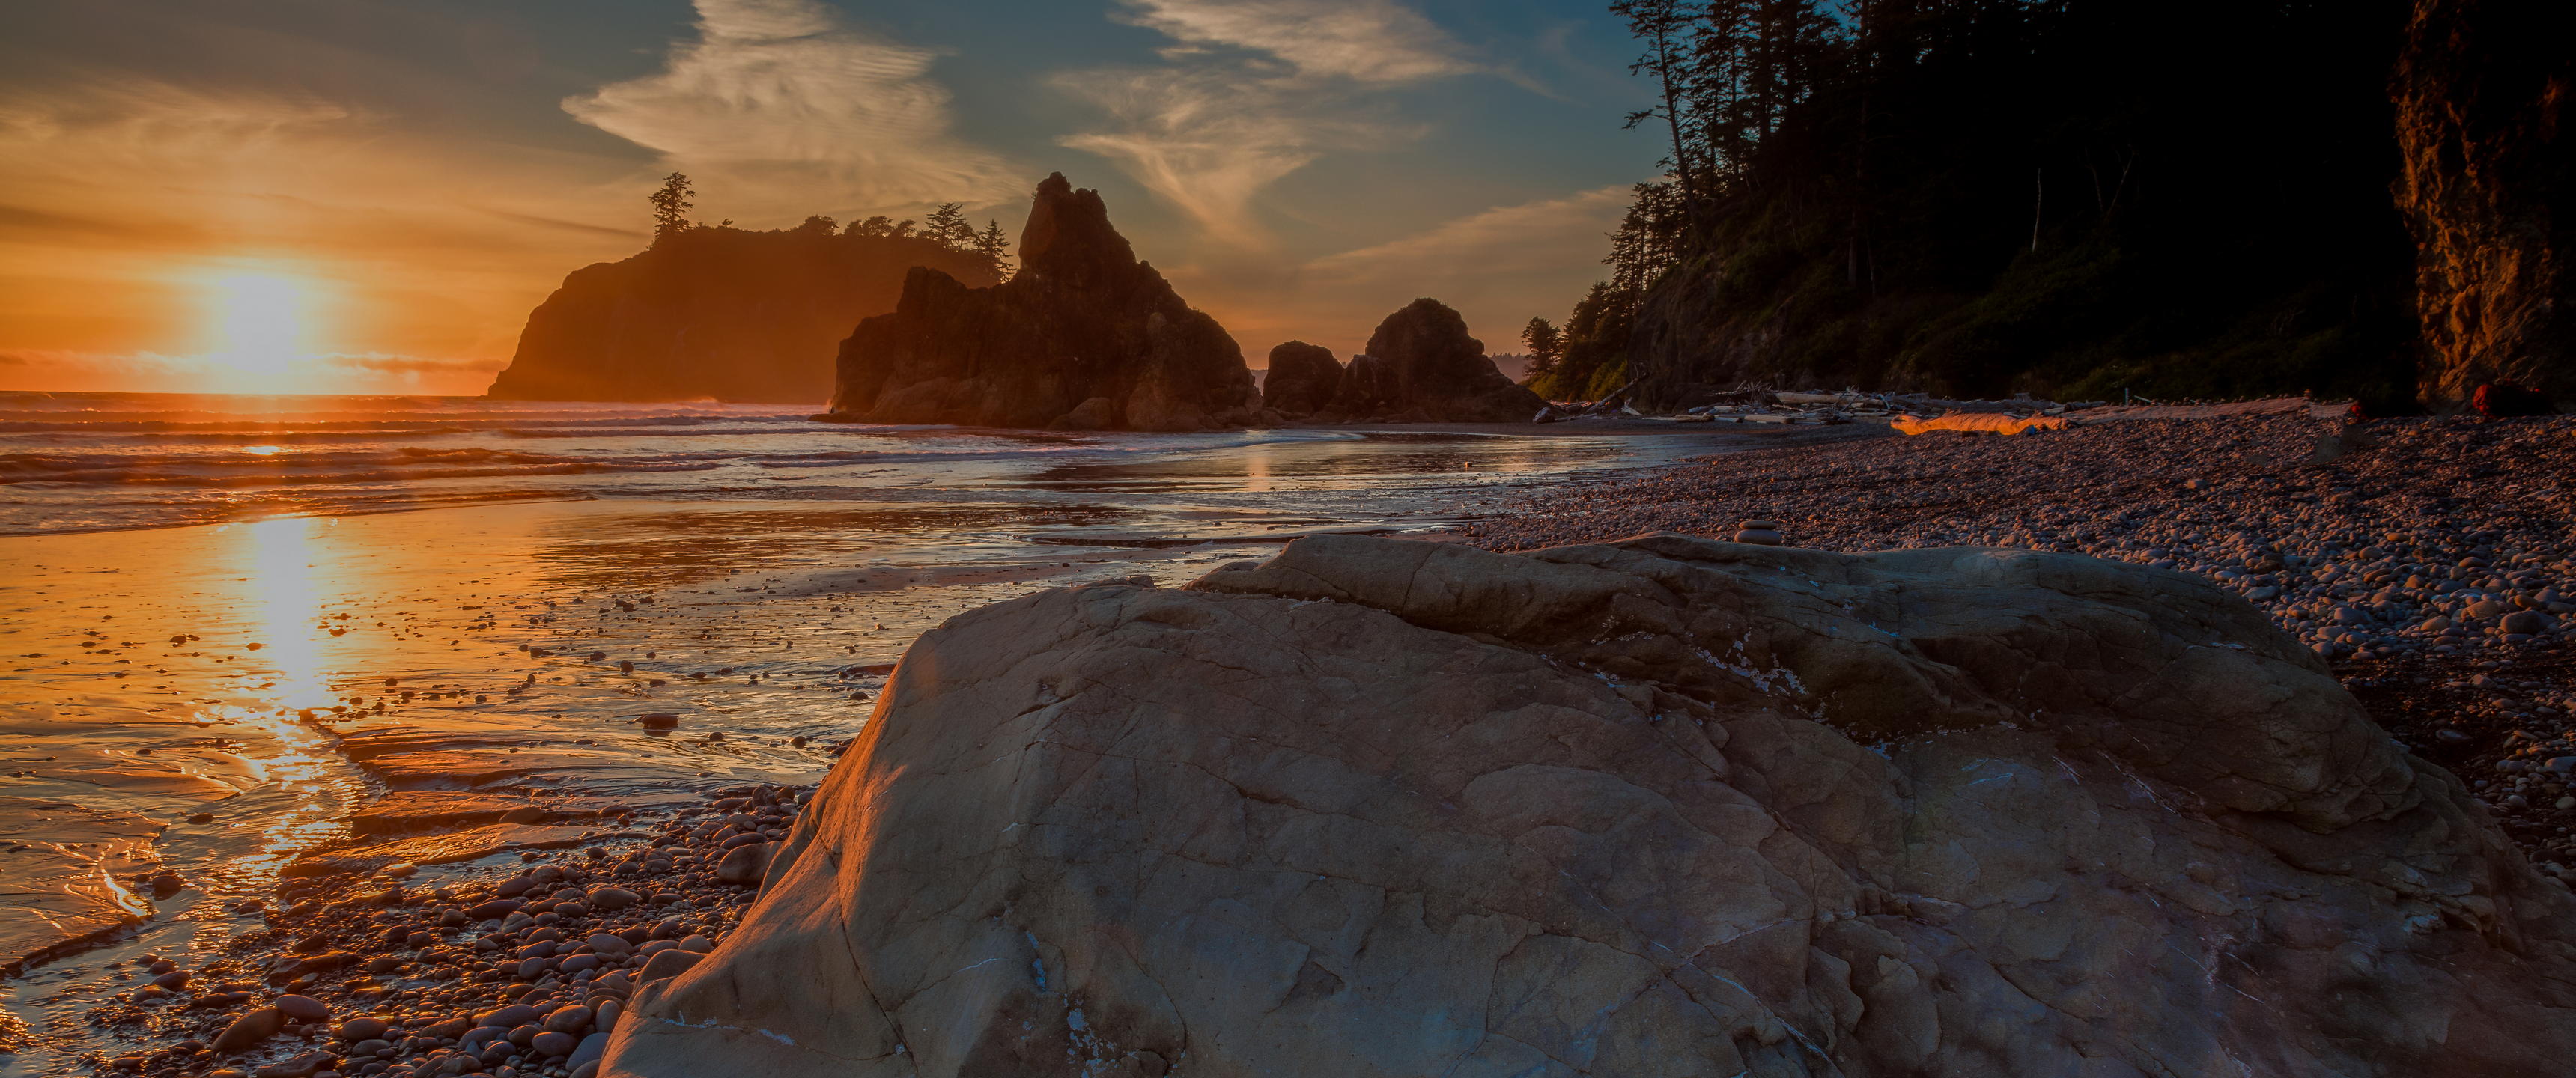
239 704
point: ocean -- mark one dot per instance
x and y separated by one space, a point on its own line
208 603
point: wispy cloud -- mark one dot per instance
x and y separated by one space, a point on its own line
1498 267
777 98
1365 40
1254 90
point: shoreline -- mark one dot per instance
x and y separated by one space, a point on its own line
2431 561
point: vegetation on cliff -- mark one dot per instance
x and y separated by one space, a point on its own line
725 313
1976 197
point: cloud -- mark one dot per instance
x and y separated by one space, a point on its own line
1364 40
1498 267
777 98
1255 90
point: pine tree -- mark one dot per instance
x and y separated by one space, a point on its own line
671 206
949 228
995 248
1545 346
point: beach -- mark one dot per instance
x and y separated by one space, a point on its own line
197 712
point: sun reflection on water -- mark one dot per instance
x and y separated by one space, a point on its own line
284 603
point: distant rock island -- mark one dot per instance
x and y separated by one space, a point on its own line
1421 367
1085 337
719 312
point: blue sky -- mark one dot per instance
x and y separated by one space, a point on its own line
1298 167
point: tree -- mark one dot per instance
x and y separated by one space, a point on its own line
902 228
879 225
1545 345
1662 25
671 206
949 228
995 248
818 225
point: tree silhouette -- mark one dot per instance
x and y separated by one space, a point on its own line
818 225
995 248
671 206
1544 344
948 226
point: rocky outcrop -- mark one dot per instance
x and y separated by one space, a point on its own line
1302 379
1084 337
1659 807
717 313
1421 366
2489 186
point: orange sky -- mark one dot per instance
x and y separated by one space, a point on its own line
404 182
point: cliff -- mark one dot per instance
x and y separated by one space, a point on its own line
1084 337
2489 187
717 312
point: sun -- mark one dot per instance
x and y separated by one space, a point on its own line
261 327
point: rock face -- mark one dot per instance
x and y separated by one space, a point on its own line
2489 187
1660 807
1421 366
718 313
1302 380
1084 337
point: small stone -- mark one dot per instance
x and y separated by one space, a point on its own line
612 898
250 1029
303 1009
523 814
2526 621
659 720
744 865
554 1045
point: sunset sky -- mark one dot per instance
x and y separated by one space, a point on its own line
360 196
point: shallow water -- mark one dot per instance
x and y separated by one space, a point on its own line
155 668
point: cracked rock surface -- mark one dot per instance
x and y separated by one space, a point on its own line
1659 807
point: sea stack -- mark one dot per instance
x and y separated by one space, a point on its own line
717 314
1085 337
1423 367
1302 379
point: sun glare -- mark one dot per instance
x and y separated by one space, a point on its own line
260 329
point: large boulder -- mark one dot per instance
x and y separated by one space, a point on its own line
1083 337
2489 187
722 313
1422 366
1302 379
1660 807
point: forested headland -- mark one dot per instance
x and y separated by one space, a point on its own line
2177 198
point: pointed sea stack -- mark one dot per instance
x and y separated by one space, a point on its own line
1422 367
1085 337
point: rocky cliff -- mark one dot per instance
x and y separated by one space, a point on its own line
1659 807
718 313
1421 366
1084 337
2483 103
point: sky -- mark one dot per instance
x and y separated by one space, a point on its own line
358 196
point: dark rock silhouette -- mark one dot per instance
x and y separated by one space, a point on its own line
716 312
1421 366
1084 337
1302 380
2489 187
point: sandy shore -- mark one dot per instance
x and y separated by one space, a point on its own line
2430 560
